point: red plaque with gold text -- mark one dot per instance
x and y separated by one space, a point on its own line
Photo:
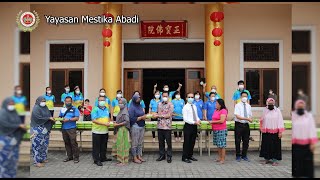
163 29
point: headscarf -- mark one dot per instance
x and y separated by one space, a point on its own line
41 115
135 110
123 116
10 122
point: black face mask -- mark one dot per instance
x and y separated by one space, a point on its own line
300 111
270 107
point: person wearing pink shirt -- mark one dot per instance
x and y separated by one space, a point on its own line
304 140
219 127
272 127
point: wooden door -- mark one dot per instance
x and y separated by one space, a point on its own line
193 78
132 82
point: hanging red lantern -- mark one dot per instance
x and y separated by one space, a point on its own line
106 43
107 14
217 42
217 16
217 32
106 32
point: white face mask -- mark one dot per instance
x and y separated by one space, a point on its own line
157 96
178 96
77 92
119 95
197 97
10 107
48 92
213 98
241 86
244 99
165 99
166 89
19 92
102 94
213 90
42 104
67 89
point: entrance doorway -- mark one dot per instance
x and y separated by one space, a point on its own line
301 79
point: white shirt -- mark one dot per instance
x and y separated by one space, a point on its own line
239 110
188 115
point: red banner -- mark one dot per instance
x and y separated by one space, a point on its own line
163 29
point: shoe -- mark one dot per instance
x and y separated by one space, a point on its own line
193 159
76 161
238 159
161 158
98 163
186 160
107 159
67 159
245 159
169 160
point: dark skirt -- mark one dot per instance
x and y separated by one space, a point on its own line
302 161
271 147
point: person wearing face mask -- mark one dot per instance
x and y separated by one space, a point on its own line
153 109
66 94
11 133
166 89
142 104
273 96
70 115
115 105
243 115
20 102
178 104
272 127
304 140
41 124
190 129
121 147
77 97
102 93
50 100
199 104
213 89
209 108
237 94
100 124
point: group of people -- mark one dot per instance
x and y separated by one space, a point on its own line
129 120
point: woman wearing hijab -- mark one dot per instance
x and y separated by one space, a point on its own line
11 133
304 140
41 124
121 128
272 127
137 123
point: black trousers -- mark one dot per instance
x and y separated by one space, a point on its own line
302 161
99 147
242 132
165 135
153 132
190 135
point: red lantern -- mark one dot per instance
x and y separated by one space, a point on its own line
217 32
106 43
106 32
217 42
107 14
217 16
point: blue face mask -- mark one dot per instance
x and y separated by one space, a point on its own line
190 100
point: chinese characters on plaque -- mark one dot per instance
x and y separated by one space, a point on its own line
163 29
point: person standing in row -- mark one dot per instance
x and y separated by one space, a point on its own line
301 95
272 127
209 108
213 89
178 104
100 124
304 140
50 100
20 102
190 129
219 128
237 94
273 96
70 115
153 109
11 133
67 93
243 116
137 123
41 124
199 104
102 93
78 97
164 116
115 109
142 104
166 89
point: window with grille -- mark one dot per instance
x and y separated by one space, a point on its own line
301 42
67 52
261 52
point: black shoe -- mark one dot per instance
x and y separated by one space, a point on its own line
186 160
98 163
107 159
193 159
67 159
169 160
161 158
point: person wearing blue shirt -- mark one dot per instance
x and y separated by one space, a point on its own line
178 104
70 115
166 88
153 109
102 92
115 109
66 94
142 104
199 104
237 94
20 102
209 107
50 100
78 97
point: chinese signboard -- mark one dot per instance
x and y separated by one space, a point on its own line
163 29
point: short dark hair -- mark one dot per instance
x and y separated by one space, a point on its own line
119 91
101 97
158 91
17 86
164 92
76 87
197 92
240 82
67 85
175 93
48 87
212 93
188 93
102 89
244 92
68 97
87 100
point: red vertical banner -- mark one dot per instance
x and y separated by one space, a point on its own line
164 29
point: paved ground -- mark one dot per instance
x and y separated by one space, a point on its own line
204 168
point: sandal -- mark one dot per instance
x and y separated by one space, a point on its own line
137 161
39 165
275 164
217 160
221 162
142 160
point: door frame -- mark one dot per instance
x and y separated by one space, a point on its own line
309 83
124 79
187 70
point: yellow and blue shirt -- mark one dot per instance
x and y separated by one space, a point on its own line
154 105
101 115
200 105
115 106
237 95
20 104
50 100
177 108
78 100
210 107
